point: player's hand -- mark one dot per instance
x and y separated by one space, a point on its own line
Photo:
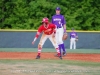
33 42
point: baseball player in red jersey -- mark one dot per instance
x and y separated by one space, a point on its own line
49 31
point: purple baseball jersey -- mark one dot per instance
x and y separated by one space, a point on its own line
73 35
58 20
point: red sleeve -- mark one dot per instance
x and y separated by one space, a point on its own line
54 28
40 29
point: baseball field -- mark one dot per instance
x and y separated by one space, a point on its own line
21 61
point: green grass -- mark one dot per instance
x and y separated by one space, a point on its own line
49 50
68 62
48 67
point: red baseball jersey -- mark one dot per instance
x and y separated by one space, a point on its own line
47 30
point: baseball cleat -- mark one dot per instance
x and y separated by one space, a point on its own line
56 55
37 57
60 57
64 53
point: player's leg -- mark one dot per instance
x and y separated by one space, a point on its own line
57 40
61 43
71 43
41 43
74 43
54 42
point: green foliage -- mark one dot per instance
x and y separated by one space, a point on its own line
27 14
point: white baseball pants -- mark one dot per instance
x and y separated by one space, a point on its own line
44 38
72 43
59 35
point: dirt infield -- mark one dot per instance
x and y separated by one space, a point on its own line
50 55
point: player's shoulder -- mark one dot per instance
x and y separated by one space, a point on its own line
51 23
57 15
53 16
61 15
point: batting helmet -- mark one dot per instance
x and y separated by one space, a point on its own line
45 20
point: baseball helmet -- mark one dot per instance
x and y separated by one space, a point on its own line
45 20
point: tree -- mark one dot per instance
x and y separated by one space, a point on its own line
27 14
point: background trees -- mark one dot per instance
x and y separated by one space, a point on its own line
27 14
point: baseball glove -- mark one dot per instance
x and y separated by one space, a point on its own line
65 36
76 39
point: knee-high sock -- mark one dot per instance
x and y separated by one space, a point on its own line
39 51
60 48
58 51
63 47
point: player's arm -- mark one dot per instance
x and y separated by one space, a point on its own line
64 24
70 35
76 36
52 20
37 34
64 28
54 28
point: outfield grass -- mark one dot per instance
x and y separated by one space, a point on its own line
49 50
48 67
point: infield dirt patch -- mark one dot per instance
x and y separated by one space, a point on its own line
50 55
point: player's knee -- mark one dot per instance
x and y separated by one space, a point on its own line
56 46
60 41
39 46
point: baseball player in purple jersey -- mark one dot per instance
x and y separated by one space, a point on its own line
73 39
60 23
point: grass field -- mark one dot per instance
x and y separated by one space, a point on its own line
48 66
49 50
